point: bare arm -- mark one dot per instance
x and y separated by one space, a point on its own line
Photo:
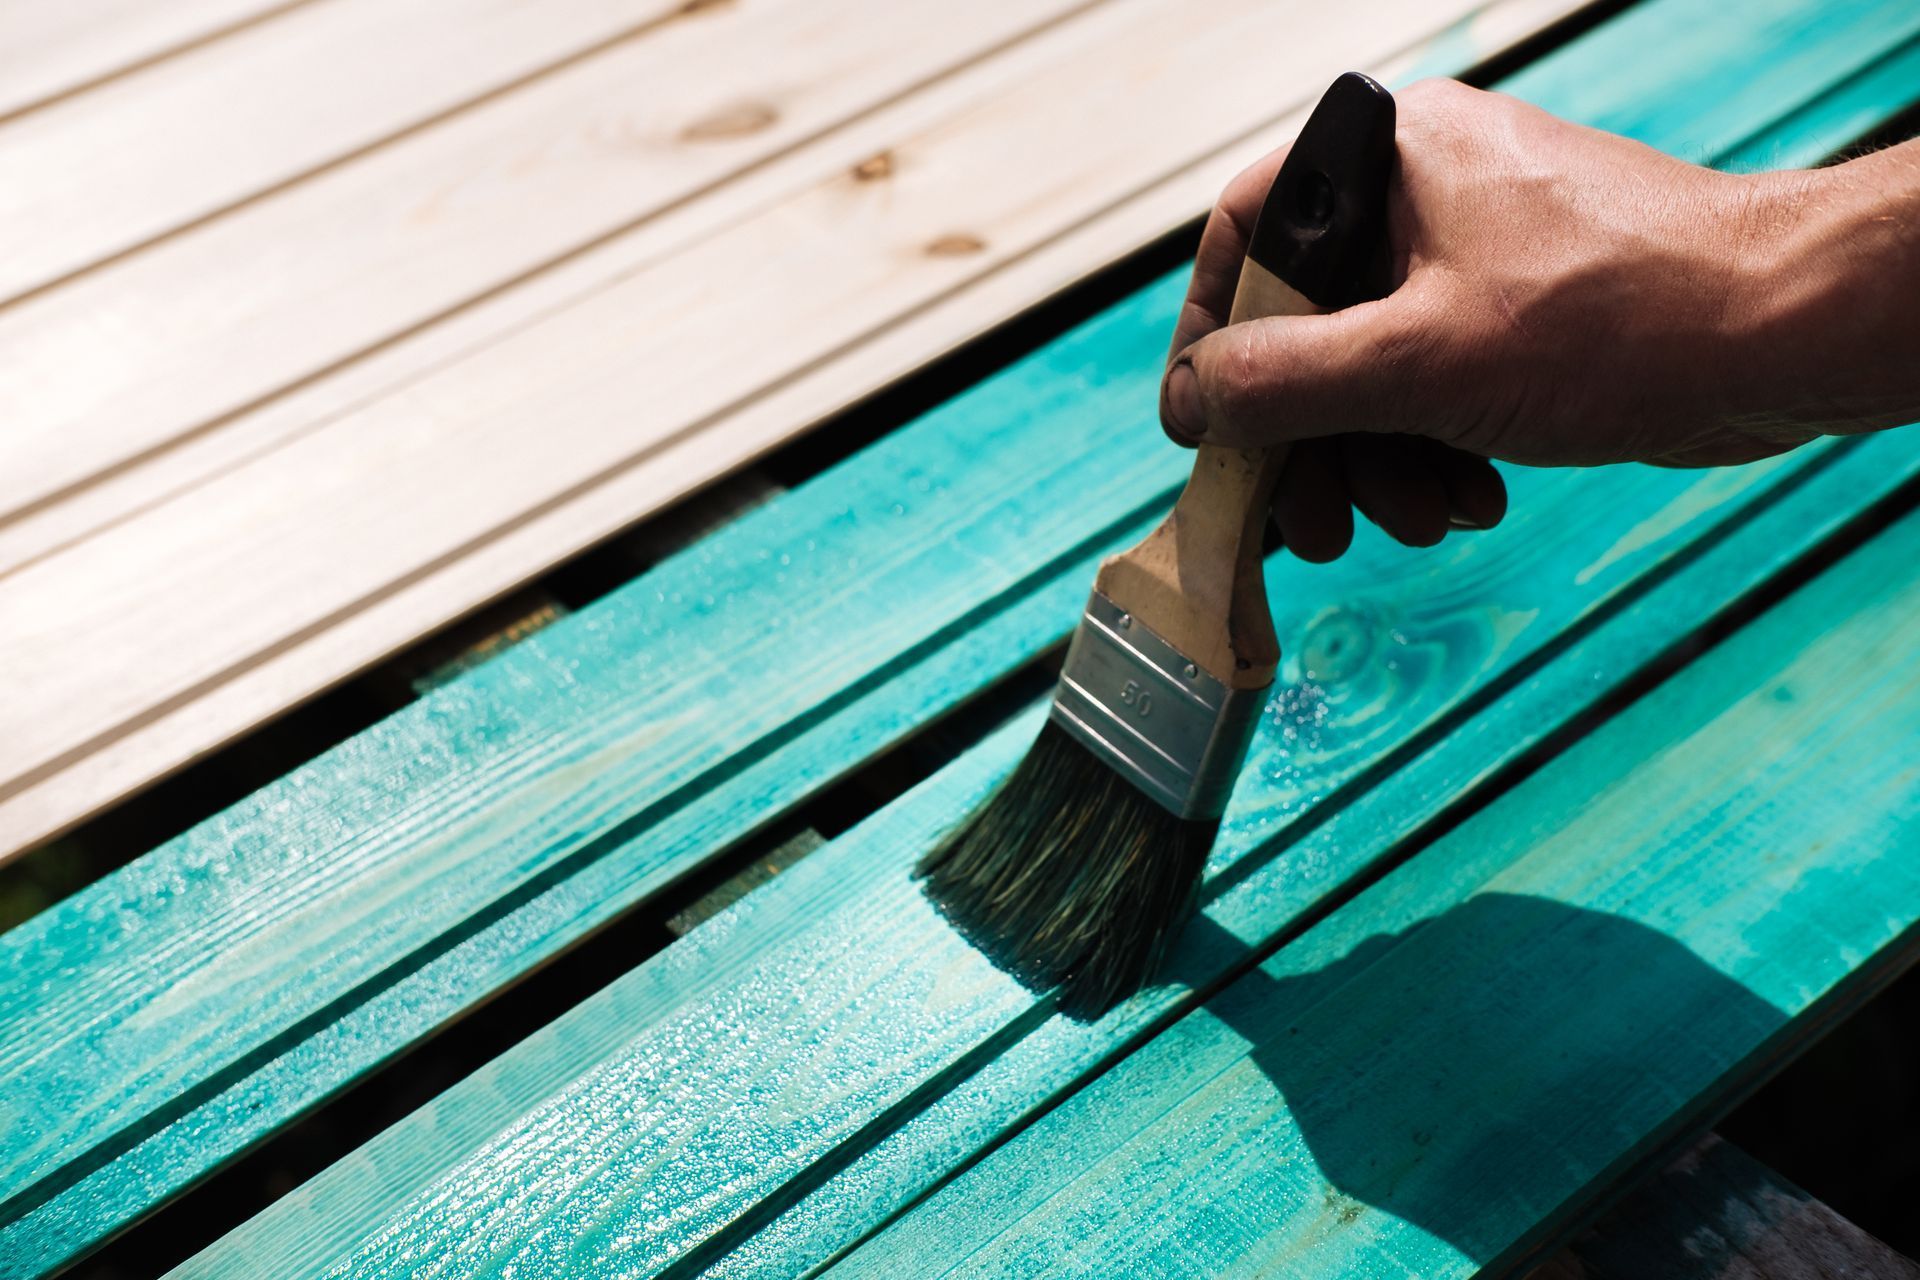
1567 298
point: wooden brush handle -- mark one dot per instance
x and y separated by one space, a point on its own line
1320 244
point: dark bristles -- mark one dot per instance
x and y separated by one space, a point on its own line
1069 876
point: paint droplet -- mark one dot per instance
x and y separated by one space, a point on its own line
956 245
874 168
731 122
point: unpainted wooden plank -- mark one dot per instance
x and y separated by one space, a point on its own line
1716 1213
484 401
400 796
1454 1066
48 50
944 322
123 360
101 173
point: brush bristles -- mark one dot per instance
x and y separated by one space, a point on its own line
1070 876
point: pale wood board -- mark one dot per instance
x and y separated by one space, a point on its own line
49 48
123 360
574 370
170 144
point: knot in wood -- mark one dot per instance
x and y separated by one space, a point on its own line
874 168
955 245
731 122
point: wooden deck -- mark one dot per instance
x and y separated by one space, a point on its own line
427 297
296 385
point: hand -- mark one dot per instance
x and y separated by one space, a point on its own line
1565 297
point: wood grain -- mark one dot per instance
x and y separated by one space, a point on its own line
154 150
1455 1066
530 800
48 50
616 441
174 993
209 322
1312 832
669 1118
1716 1213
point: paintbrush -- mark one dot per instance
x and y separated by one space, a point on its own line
1077 872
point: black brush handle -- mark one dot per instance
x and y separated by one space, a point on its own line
1323 228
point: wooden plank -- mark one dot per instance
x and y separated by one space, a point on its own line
940 324
527 499
50 50
521 781
99 174
1454 1067
553 771
1852 107
669 1117
121 361
1716 1213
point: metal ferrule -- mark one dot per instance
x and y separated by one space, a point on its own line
1171 729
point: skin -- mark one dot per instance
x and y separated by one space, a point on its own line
1566 297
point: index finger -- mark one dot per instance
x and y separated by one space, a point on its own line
1216 267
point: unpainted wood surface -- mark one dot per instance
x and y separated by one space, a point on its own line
49 49
1454 1066
146 349
1716 1213
175 142
389 517
518 783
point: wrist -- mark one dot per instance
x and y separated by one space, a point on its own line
1828 274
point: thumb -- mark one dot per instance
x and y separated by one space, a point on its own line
1285 378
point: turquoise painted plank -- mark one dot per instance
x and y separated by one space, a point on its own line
1455 1066
680 1108
1806 48
1852 108
150 1028
1267 884
548 781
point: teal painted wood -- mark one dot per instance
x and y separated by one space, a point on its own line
1797 44
1259 894
1453 1068
160 1032
778 1042
1852 108
159 1021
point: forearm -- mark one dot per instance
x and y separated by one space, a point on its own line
1837 289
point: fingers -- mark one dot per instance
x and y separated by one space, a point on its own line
1392 488
1476 495
1285 379
1216 267
1311 505
1415 490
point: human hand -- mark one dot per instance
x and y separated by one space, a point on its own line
1564 297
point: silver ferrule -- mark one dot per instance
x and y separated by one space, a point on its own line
1171 729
